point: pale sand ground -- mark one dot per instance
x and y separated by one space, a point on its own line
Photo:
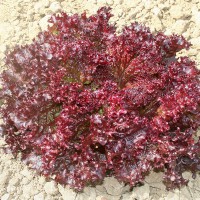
21 20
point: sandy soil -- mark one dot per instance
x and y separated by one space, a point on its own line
20 22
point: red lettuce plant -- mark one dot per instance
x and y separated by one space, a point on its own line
82 102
